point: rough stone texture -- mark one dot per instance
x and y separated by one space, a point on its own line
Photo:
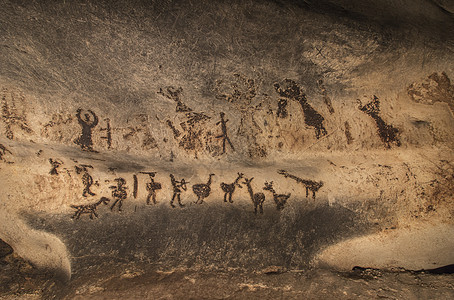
346 106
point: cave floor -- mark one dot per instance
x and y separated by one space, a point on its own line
19 280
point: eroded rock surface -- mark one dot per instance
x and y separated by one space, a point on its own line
226 136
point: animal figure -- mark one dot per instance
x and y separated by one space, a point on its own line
289 89
279 199
257 198
202 190
311 185
229 189
89 208
388 134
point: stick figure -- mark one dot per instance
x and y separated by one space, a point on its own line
152 186
87 180
87 123
119 193
11 117
224 135
108 131
177 187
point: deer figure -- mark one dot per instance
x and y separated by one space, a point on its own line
257 198
229 189
279 199
311 185
202 190
89 208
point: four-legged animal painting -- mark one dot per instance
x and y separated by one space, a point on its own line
88 208
201 190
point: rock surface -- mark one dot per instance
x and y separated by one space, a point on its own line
328 126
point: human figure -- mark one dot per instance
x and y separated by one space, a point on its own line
224 135
108 131
119 193
152 186
87 180
87 123
177 187
10 116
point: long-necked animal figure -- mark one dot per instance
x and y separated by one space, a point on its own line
388 134
289 89
88 208
279 199
202 190
229 189
311 185
257 198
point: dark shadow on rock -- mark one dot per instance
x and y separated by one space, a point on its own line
202 236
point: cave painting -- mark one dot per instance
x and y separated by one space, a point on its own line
3 151
11 116
87 180
279 199
89 208
176 132
243 96
326 99
256 198
229 188
348 134
194 135
108 136
174 95
435 88
152 187
55 164
224 135
138 132
88 121
289 89
388 134
282 108
310 185
178 187
202 190
119 193
136 186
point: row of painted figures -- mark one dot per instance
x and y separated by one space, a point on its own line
201 190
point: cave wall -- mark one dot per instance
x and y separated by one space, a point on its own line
347 109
